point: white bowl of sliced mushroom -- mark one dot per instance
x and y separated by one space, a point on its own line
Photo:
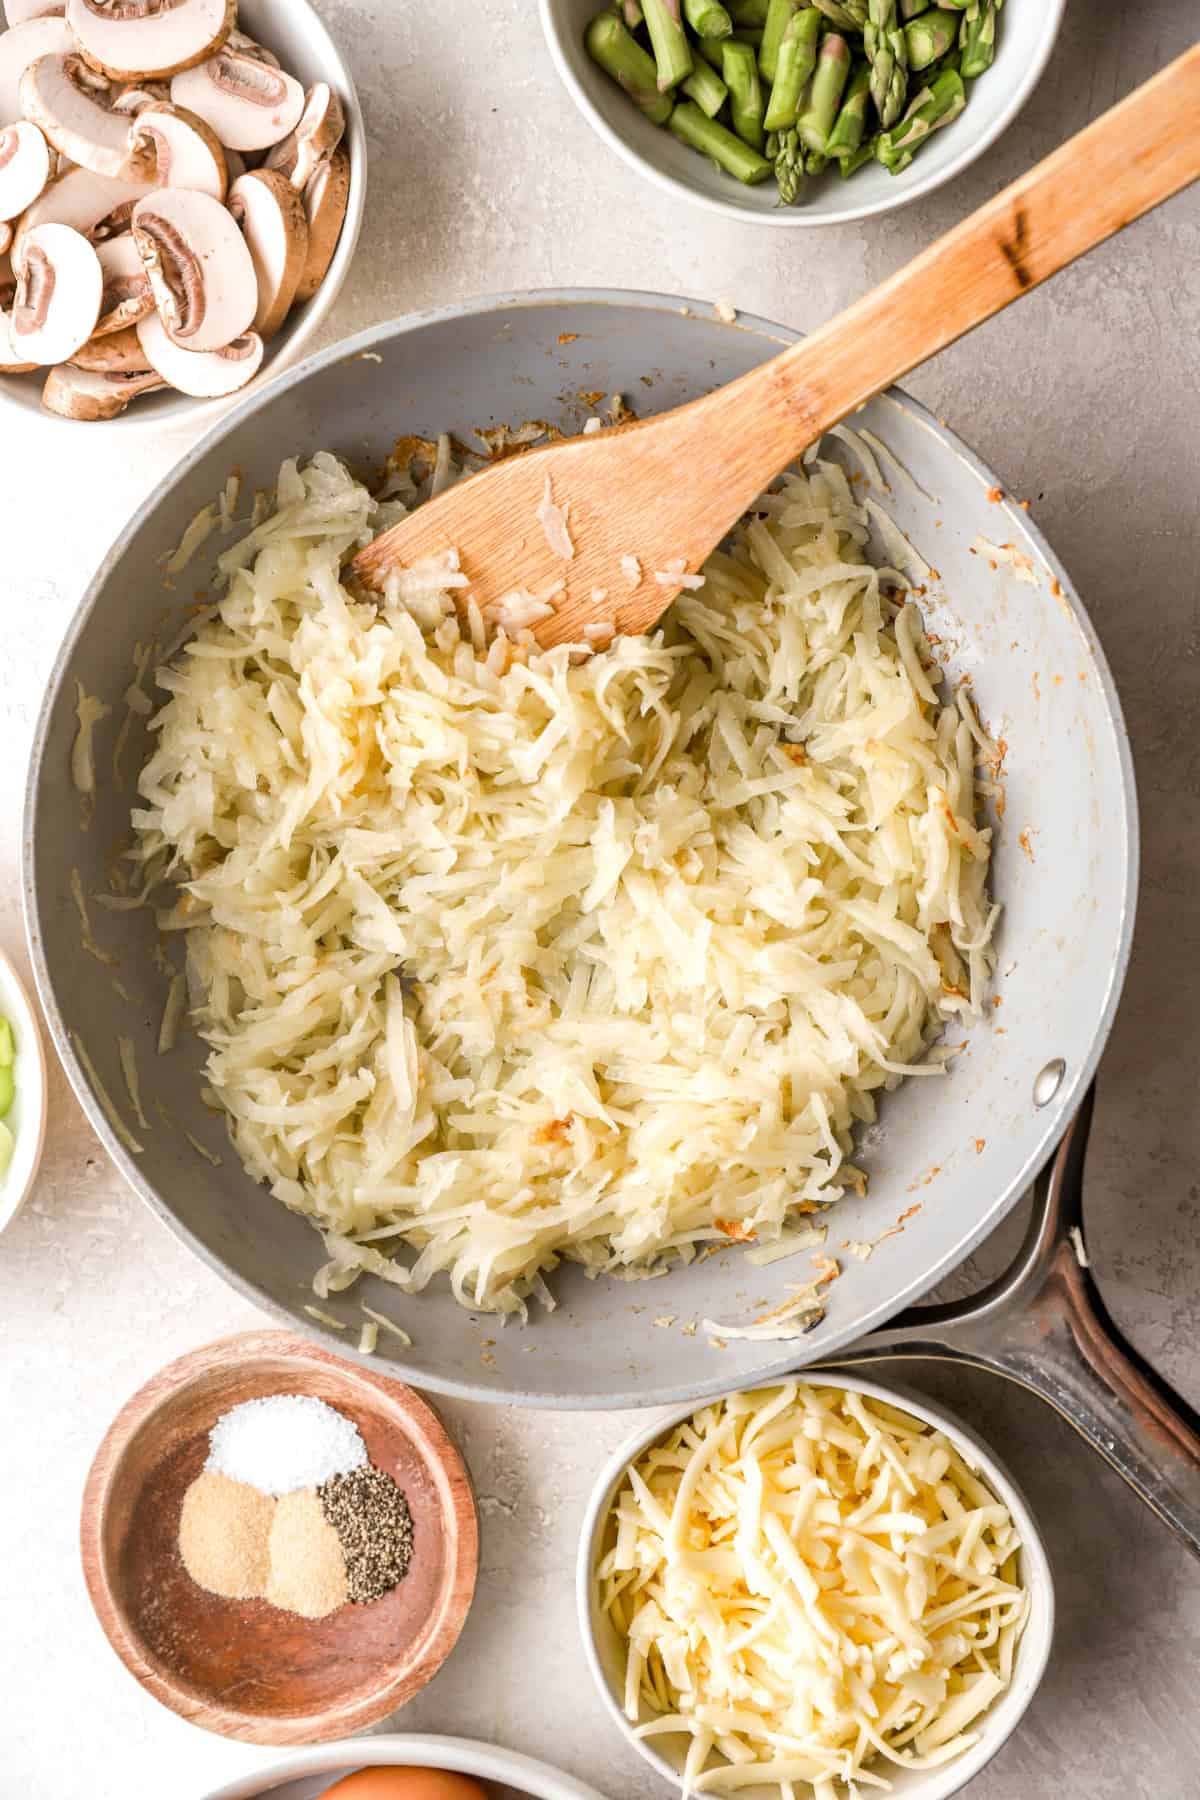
181 191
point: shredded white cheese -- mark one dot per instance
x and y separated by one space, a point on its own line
88 711
807 1586
508 958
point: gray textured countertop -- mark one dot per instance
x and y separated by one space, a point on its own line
1084 398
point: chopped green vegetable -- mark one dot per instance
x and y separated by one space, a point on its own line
8 1049
7 1146
785 88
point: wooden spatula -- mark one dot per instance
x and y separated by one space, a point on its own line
666 490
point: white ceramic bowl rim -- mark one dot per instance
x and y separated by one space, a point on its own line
466 1756
1033 1651
27 1119
560 22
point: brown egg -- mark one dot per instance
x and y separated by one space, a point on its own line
405 1784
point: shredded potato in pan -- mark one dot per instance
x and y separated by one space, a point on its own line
506 956
811 1585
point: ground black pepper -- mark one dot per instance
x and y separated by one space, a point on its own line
373 1523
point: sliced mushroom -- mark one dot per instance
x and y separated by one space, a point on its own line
147 40
205 288
75 393
58 295
20 46
273 222
139 94
24 167
115 353
241 45
18 11
203 375
127 295
249 104
7 234
325 201
316 137
73 106
96 205
174 148
10 356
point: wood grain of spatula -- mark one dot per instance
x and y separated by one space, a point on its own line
666 490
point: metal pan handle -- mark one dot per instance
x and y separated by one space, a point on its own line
1044 1325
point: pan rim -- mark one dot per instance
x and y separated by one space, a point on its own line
840 1337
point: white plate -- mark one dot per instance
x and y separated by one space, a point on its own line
306 1774
27 1116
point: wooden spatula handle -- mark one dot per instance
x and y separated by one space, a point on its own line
1133 158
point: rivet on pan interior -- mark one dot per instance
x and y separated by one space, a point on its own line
1048 1082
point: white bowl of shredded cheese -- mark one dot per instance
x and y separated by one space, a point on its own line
825 1581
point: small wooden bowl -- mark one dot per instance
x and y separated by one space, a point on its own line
244 1668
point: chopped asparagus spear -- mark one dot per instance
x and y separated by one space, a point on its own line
833 68
8 1049
850 165
631 12
850 126
930 36
694 128
706 88
789 166
620 55
887 52
668 40
935 106
748 12
814 162
711 48
847 15
707 18
7 1090
909 9
740 70
795 63
977 39
778 14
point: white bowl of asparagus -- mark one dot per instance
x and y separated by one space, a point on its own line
800 112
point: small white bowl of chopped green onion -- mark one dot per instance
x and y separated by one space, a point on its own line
791 113
22 1093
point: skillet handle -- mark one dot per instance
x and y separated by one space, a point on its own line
1044 1325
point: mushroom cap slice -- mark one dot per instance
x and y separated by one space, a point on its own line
10 356
21 45
200 269
7 234
203 375
249 104
317 135
90 203
17 12
75 393
116 353
177 149
127 295
325 201
273 222
73 106
138 94
146 40
24 167
241 45
59 285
